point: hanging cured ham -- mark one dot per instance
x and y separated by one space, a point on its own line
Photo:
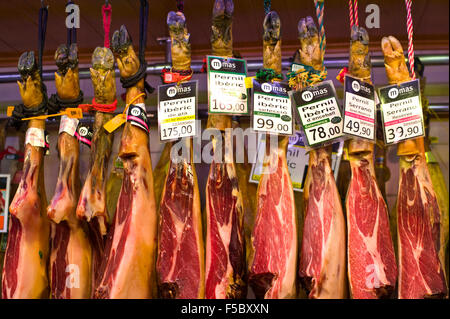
372 269
274 240
322 267
180 264
225 247
127 270
92 204
26 257
71 254
419 225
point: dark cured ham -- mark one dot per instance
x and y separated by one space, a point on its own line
225 246
180 265
421 274
274 239
127 270
26 258
372 269
322 268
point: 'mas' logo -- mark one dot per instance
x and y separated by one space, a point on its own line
136 112
216 64
307 96
83 131
355 86
266 87
393 93
171 92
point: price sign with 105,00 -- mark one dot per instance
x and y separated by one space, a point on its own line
227 93
319 113
401 111
177 110
272 111
359 108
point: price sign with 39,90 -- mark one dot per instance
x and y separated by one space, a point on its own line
177 110
227 93
401 111
272 111
319 113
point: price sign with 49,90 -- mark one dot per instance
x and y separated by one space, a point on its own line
401 111
319 113
227 93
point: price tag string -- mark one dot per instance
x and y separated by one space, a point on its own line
121 118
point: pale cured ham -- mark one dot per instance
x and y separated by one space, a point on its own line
372 269
71 254
180 264
92 204
421 272
225 247
273 269
26 257
322 257
127 269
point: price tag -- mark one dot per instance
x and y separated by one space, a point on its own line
272 110
359 108
319 113
401 112
227 93
137 116
177 110
297 160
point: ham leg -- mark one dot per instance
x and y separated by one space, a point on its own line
322 257
225 246
274 239
26 258
180 263
127 269
71 254
372 269
419 225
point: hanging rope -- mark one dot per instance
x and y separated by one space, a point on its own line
409 25
319 4
20 111
180 5
71 32
353 12
142 72
106 14
267 5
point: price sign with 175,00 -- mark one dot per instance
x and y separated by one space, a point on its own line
319 113
359 108
177 110
227 93
401 111
272 111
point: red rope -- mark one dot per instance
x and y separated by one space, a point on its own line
353 12
106 13
409 25
105 108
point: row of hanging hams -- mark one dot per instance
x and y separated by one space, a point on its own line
159 243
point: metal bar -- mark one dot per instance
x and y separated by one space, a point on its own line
441 110
252 65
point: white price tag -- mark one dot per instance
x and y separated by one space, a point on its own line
319 113
359 108
177 110
227 93
272 110
296 66
297 160
35 137
68 125
401 112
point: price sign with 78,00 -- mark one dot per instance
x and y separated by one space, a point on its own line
227 93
